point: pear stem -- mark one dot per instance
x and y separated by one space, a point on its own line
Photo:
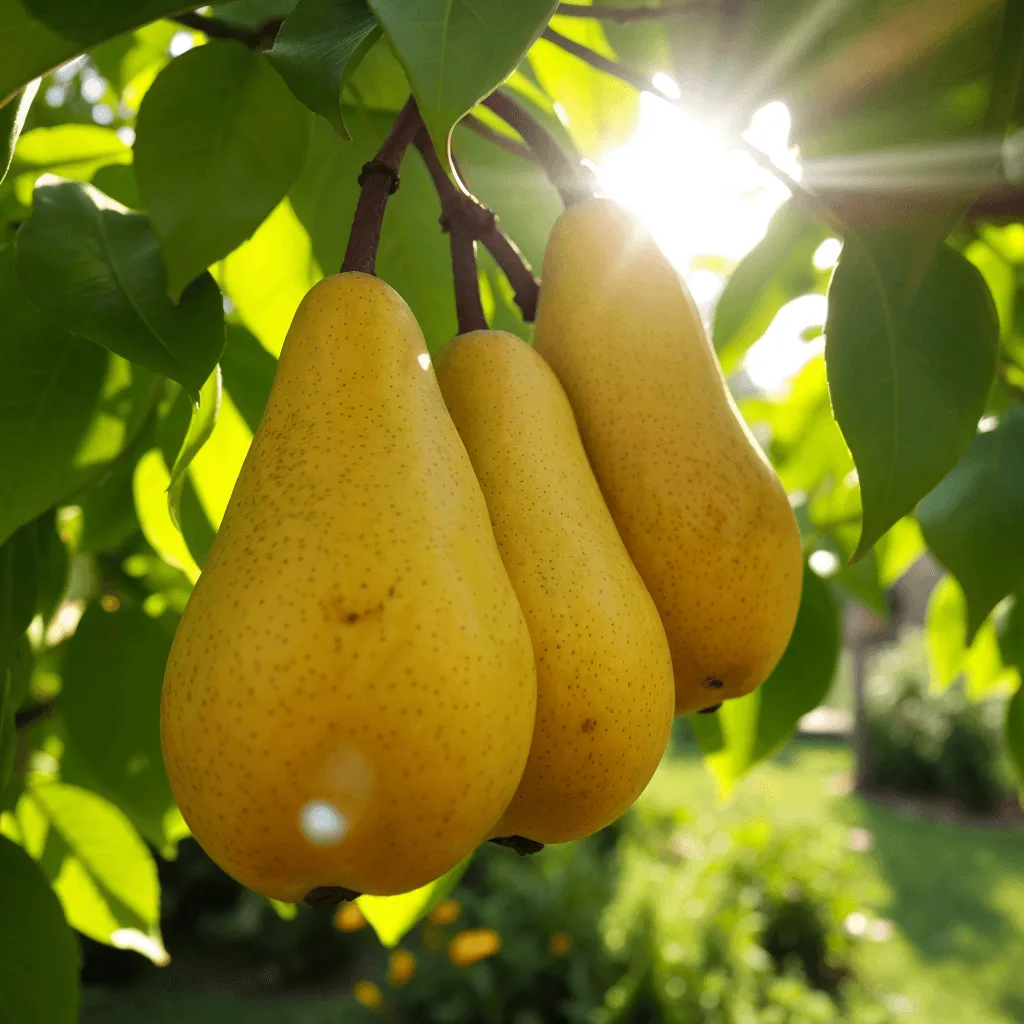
468 308
379 179
568 177
482 225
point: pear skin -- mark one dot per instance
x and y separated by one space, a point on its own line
701 511
350 696
605 696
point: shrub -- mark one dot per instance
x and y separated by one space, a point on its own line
928 743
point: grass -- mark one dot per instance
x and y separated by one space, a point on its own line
954 894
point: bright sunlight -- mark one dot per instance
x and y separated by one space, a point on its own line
708 203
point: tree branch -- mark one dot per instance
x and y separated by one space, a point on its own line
485 131
379 179
568 177
598 60
622 15
480 223
468 308
259 38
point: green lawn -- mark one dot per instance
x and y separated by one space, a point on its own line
954 894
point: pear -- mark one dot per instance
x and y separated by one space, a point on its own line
604 675
700 510
349 700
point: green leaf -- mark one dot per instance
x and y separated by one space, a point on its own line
100 869
201 424
67 407
1011 633
220 141
414 257
267 277
8 737
391 917
149 487
38 952
974 520
106 516
12 120
19 590
71 150
910 364
318 47
40 34
777 270
249 371
457 53
949 654
94 268
751 728
111 709
1015 734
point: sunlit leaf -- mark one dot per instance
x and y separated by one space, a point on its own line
12 120
149 486
391 917
67 407
974 520
74 151
456 53
910 364
778 269
318 47
94 269
201 425
220 141
39 959
248 370
1015 734
99 867
949 654
749 729
268 276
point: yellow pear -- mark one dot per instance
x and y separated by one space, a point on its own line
701 511
350 696
604 675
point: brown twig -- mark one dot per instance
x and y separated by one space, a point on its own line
598 60
623 15
483 225
379 179
259 38
468 308
568 177
485 131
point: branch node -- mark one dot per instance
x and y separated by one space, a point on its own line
375 166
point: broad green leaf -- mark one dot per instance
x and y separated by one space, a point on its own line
457 53
379 83
40 34
1001 280
67 407
1011 633
1015 734
414 257
106 512
8 737
12 120
910 364
252 12
974 520
74 151
94 268
751 728
391 917
248 370
949 654
267 277
111 709
97 863
39 959
600 112
149 487
201 424
318 47
778 269
898 550
220 141
19 590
